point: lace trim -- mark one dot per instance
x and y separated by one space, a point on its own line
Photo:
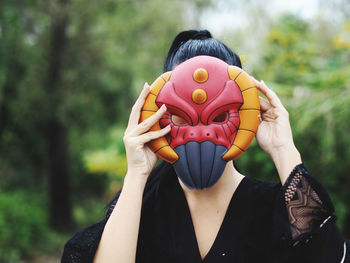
292 188
304 206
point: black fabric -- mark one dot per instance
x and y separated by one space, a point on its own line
265 222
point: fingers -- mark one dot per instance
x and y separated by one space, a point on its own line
264 104
268 112
136 109
268 93
146 137
148 123
136 134
268 116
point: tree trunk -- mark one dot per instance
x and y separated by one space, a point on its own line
57 133
60 205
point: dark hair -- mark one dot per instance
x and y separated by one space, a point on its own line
191 43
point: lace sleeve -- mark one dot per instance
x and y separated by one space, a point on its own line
304 223
308 205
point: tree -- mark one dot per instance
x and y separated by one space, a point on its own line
56 130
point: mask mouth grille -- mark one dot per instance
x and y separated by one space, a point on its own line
200 165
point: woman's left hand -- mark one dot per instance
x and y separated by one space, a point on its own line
274 133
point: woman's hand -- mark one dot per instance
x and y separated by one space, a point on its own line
274 133
139 157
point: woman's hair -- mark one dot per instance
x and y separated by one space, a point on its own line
191 43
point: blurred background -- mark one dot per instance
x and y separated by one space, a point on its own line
70 71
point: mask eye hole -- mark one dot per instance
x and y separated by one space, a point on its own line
177 120
221 117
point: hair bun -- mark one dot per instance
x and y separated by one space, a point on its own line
201 34
191 43
184 36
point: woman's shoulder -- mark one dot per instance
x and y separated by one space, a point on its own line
259 197
156 179
260 188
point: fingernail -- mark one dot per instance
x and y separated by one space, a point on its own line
163 107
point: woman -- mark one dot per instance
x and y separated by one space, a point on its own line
156 218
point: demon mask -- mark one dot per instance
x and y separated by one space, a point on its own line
212 109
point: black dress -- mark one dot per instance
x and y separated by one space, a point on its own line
264 222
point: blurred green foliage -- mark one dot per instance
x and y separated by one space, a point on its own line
27 212
112 48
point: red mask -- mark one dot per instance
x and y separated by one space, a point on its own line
212 109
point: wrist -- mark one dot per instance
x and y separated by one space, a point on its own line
285 160
135 179
132 189
284 153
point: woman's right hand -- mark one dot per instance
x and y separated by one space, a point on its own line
140 157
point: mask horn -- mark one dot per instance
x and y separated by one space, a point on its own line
248 113
159 146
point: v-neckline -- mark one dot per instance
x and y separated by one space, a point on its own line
227 215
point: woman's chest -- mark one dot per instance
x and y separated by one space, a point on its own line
206 236
207 221
171 232
180 243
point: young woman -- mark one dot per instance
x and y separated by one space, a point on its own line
156 218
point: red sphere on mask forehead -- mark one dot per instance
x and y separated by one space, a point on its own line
183 77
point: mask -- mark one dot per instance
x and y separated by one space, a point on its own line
213 111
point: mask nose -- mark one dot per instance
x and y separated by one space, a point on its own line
201 131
